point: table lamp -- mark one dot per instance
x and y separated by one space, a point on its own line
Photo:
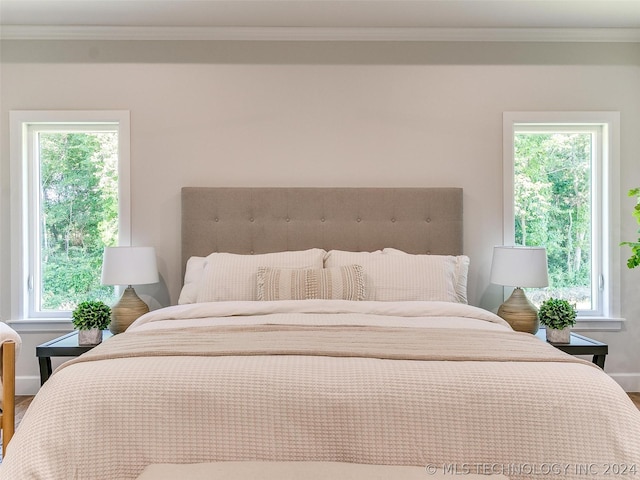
128 266
520 267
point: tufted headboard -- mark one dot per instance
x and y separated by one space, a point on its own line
263 220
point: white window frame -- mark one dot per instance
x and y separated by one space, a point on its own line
605 202
24 221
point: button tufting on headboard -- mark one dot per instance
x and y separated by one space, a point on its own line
416 220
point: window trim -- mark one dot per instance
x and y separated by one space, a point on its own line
609 318
20 121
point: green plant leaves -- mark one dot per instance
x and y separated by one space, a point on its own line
557 314
634 260
91 314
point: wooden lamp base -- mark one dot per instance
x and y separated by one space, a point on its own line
520 313
126 311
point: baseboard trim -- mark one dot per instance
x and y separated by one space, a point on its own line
27 384
630 382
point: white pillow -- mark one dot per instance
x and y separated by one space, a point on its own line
402 277
192 277
461 275
228 276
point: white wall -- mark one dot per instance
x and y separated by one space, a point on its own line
394 115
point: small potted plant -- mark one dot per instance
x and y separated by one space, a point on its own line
90 318
558 316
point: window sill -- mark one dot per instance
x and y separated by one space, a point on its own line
39 325
587 324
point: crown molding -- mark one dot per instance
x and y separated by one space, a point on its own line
402 34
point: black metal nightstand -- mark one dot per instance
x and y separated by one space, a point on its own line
64 346
581 345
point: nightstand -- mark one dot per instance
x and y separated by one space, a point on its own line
64 346
581 345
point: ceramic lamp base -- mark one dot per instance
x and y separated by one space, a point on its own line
520 313
126 311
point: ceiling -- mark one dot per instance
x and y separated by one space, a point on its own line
199 17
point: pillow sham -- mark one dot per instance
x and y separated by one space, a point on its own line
338 283
192 277
397 277
461 271
229 276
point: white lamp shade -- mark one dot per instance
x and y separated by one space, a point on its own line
129 266
520 267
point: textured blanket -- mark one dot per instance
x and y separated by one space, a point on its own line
362 341
349 385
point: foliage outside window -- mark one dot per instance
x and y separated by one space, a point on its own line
78 192
634 259
553 201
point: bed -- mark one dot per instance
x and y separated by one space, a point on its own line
326 325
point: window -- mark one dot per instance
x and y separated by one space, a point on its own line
561 191
74 201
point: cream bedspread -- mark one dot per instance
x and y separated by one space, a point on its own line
326 381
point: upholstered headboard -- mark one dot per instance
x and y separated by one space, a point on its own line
263 220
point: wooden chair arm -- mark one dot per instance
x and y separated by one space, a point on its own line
8 416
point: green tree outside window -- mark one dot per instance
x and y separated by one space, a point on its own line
79 215
552 191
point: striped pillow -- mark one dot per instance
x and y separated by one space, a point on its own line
339 283
232 277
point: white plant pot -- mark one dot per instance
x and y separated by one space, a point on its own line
89 337
559 336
